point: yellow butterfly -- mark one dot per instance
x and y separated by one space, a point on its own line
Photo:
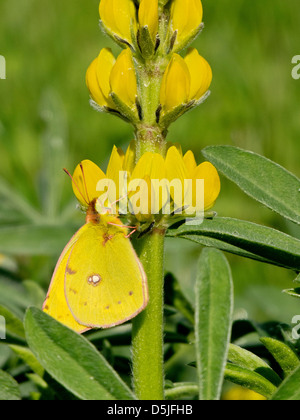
98 281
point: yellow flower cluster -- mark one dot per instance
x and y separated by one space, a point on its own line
151 186
149 35
121 20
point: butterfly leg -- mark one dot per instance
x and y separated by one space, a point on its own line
126 227
132 232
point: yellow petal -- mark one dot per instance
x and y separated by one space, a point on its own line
93 85
148 16
176 173
201 74
129 159
115 166
150 164
176 84
105 63
123 79
175 167
212 184
118 16
150 169
85 179
186 17
190 162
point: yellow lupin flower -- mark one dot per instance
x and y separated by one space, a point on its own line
118 17
176 84
185 80
148 184
84 182
186 18
185 168
148 16
106 75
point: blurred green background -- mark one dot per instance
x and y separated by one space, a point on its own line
46 124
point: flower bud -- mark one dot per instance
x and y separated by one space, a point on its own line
176 83
148 17
184 83
186 18
118 18
97 78
112 83
123 79
200 72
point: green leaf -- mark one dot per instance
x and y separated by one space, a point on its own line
18 202
5 353
260 178
28 357
9 388
245 359
249 379
223 246
182 390
282 353
36 294
289 390
31 240
13 295
13 325
54 153
274 246
72 360
174 296
214 306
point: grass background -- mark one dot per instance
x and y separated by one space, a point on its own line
46 124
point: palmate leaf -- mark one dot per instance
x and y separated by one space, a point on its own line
246 239
214 306
260 178
72 360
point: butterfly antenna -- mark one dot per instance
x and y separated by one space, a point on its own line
68 173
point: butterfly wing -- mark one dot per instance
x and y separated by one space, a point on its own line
55 303
105 284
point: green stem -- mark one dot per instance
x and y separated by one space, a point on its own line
147 339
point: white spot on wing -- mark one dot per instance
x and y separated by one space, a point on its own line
94 280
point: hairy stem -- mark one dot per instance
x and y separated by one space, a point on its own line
147 339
